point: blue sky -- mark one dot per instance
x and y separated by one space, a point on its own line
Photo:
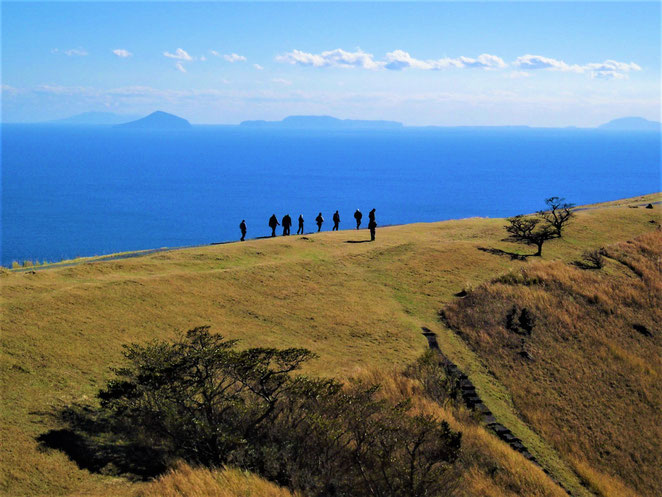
541 64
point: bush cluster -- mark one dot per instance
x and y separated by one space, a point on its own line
202 400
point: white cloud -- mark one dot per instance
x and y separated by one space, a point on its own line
214 53
281 81
608 75
233 57
180 67
77 52
399 59
203 58
179 54
330 58
609 69
120 52
395 60
483 61
258 67
532 62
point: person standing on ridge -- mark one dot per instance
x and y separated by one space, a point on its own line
358 216
319 220
273 222
300 230
287 222
242 227
372 225
336 221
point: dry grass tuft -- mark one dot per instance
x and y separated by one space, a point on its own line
185 481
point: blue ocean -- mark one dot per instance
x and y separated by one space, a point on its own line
71 191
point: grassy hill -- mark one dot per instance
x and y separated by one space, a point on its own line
360 306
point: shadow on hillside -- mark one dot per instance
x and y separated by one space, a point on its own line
95 443
513 256
358 241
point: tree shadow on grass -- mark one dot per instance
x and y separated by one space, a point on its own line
513 256
95 443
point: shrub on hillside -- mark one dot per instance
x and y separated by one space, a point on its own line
592 259
205 402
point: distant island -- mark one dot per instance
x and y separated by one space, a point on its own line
164 120
157 120
96 118
632 124
322 122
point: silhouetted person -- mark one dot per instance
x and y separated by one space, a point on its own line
371 215
336 221
372 225
287 222
300 230
358 216
242 227
273 222
319 220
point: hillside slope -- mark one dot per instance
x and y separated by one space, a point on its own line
358 305
587 376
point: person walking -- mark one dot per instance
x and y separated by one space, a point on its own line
319 220
273 223
358 216
287 222
300 230
336 221
242 227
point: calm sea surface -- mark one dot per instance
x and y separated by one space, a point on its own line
72 191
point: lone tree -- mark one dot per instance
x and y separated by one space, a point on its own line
546 225
528 230
558 214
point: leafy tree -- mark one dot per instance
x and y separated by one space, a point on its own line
201 400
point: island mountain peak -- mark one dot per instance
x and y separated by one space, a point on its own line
157 120
632 124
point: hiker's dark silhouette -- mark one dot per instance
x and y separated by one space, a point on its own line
287 223
242 227
371 215
319 220
358 216
336 221
273 223
372 225
300 230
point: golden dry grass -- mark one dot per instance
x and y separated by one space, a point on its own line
185 481
356 305
593 386
487 467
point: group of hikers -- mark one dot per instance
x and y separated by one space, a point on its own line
286 223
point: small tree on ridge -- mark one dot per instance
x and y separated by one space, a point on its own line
547 225
558 214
